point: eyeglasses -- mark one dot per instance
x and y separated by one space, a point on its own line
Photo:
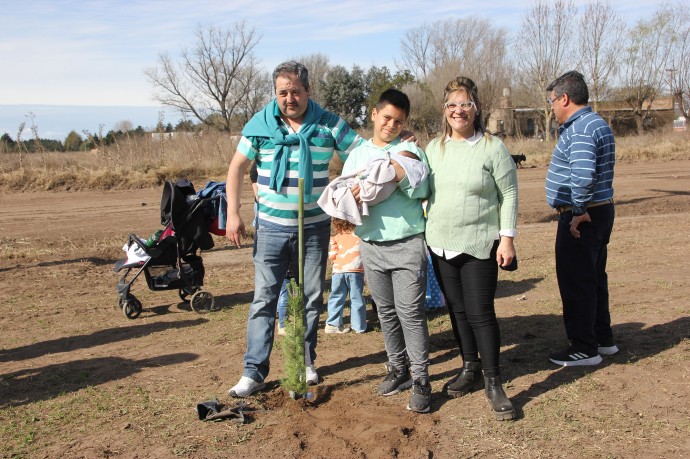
551 101
464 106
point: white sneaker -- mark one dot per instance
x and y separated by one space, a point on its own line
312 376
339 330
281 331
608 350
245 387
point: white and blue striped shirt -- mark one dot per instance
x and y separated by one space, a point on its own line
581 169
278 209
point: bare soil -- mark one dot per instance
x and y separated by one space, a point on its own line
79 380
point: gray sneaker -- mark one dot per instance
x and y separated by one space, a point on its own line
395 381
420 400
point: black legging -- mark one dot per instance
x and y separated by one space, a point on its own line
469 285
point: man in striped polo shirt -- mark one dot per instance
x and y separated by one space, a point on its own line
291 137
579 185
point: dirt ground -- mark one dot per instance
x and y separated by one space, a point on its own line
79 380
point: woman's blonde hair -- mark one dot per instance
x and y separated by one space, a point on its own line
465 84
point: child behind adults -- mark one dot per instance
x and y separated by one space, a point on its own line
394 256
347 277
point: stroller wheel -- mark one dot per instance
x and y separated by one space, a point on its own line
184 294
131 307
202 302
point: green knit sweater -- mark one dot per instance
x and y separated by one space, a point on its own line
474 195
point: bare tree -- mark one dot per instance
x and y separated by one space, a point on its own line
211 81
318 66
470 47
643 75
257 95
544 46
601 32
123 126
416 50
425 114
677 66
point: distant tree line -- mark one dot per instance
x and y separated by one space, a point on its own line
88 141
217 83
217 80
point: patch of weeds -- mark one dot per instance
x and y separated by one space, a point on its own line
668 285
29 437
142 393
241 438
184 451
438 321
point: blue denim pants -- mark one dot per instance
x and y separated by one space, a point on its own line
274 251
341 285
282 303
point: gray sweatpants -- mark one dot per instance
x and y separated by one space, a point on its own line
396 274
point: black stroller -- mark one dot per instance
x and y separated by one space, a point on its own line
171 262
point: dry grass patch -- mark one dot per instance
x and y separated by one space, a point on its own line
140 162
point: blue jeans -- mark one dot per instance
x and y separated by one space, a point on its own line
282 303
274 252
341 284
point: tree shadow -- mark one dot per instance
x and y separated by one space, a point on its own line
37 384
97 338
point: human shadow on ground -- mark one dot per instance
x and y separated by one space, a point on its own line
37 384
93 260
532 338
507 288
221 302
97 338
233 299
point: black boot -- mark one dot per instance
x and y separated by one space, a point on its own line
468 380
499 401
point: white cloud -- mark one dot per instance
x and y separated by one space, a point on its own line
95 51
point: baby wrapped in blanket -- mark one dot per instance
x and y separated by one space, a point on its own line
376 183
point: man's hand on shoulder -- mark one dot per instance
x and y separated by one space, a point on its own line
408 136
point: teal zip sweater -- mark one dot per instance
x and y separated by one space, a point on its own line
401 214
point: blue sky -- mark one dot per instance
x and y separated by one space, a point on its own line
93 53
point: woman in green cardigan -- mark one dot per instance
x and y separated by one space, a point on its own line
472 215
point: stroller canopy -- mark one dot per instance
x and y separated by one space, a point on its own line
184 211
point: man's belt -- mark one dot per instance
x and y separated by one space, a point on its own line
563 209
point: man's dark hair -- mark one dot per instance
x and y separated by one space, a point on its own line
292 68
573 84
395 98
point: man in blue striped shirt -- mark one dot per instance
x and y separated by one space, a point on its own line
292 137
579 185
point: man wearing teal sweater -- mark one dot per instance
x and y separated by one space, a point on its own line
290 138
